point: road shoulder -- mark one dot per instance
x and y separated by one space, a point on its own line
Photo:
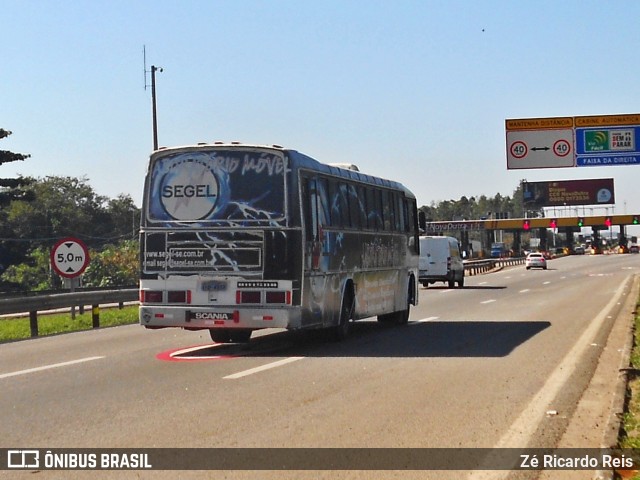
596 420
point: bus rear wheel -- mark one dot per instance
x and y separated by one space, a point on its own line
224 335
401 317
240 335
341 331
219 335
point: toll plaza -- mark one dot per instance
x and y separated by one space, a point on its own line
566 227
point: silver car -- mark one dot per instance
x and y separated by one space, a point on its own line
536 260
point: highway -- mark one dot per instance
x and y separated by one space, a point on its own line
480 366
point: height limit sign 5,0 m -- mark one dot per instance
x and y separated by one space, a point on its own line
69 257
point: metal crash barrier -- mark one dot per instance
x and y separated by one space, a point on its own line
43 303
476 267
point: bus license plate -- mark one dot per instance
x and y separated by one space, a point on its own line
214 285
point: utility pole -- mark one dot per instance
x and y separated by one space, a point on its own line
153 94
153 102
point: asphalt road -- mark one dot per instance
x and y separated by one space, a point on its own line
476 367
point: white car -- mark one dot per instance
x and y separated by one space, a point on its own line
536 260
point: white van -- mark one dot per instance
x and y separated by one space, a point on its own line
440 261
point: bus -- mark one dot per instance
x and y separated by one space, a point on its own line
236 238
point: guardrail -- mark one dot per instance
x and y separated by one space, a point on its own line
476 267
52 301
42 303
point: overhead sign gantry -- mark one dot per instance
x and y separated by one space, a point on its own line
602 222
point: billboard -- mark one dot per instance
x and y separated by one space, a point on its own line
597 191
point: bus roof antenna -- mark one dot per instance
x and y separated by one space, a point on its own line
144 61
144 64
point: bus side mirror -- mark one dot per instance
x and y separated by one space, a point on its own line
422 220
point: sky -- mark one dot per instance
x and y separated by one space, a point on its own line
415 91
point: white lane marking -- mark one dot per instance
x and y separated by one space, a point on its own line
424 320
489 301
524 291
483 283
47 367
546 283
522 429
262 368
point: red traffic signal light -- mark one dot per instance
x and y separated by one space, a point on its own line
526 224
607 221
553 223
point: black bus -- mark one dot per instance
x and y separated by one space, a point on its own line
236 238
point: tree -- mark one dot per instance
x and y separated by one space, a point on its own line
33 273
114 266
67 207
476 208
12 188
124 216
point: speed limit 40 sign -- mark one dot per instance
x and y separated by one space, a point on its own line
540 148
69 257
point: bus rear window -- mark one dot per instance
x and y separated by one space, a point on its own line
217 186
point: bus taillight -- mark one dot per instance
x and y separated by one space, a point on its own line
179 296
248 297
151 296
283 298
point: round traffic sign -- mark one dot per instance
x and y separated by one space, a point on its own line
519 149
562 148
69 257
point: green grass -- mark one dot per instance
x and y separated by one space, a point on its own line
630 431
18 328
630 437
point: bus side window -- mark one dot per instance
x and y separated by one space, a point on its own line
310 208
378 209
393 206
412 208
343 202
334 201
372 212
402 214
361 196
387 212
324 210
354 207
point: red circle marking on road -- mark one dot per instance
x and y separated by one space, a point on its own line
183 354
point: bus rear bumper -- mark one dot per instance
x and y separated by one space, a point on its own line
207 318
